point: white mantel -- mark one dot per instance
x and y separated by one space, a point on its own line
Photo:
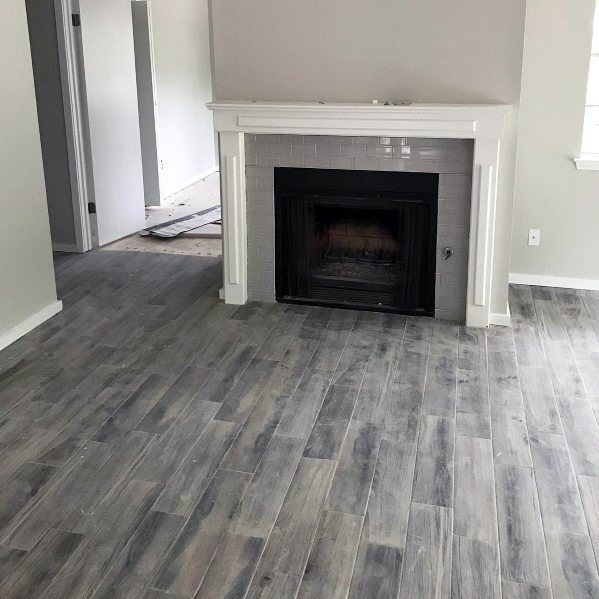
483 123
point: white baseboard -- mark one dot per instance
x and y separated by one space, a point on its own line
548 281
170 192
30 324
64 247
501 320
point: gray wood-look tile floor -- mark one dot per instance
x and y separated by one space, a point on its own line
155 443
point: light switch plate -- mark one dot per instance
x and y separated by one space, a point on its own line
534 236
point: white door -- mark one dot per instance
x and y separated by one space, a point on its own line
111 98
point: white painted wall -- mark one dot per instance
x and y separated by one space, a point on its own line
351 50
184 86
26 272
46 69
551 194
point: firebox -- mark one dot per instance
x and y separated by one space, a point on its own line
356 239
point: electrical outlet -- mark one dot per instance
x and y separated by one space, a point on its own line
534 236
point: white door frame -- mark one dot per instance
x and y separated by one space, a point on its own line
77 130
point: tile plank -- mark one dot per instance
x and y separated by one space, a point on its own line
21 489
304 405
196 471
589 492
139 560
249 447
559 499
475 569
260 505
433 480
190 555
474 494
389 502
350 488
427 562
119 515
330 428
521 539
40 566
290 541
572 565
331 561
232 568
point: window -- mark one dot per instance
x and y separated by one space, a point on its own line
590 136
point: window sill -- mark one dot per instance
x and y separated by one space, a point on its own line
587 162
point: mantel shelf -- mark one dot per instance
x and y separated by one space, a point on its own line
470 121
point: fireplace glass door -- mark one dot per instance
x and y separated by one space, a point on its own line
356 239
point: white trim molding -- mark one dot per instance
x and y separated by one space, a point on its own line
65 247
485 124
189 183
31 323
551 281
501 320
588 162
73 95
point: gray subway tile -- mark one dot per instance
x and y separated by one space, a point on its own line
366 141
315 139
450 167
366 164
265 184
353 151
255 147
266 160
341 140
341 163
316 162
303 149
259 172
379 152
279 149
432 153
455 180
328 150
393 164
292 161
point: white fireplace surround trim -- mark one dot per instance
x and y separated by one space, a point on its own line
483 123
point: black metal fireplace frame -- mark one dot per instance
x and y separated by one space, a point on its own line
349 189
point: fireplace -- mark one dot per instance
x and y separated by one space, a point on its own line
461 143
356 239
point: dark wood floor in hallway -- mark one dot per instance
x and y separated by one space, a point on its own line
156 443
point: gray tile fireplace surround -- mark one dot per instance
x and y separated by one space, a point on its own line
451 158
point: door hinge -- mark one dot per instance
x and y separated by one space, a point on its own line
76 18
91 207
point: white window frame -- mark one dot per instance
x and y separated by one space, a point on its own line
589 160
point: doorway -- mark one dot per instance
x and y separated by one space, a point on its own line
113 63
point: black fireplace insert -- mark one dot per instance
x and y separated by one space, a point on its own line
359 239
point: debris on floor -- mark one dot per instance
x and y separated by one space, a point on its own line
190 222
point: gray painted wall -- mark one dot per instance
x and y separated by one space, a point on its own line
352 50
46 69
551 194
26 271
